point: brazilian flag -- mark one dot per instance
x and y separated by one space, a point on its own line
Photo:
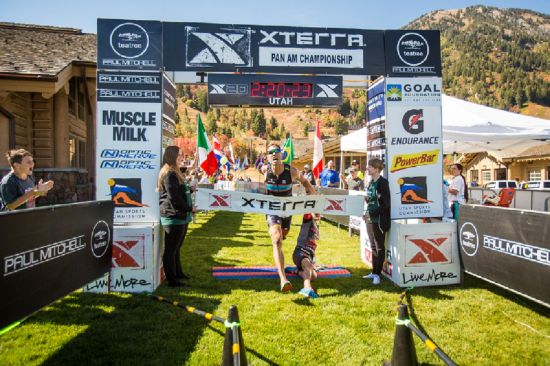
288 151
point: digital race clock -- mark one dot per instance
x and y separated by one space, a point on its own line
274 90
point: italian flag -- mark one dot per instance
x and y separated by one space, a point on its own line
207 159
317 152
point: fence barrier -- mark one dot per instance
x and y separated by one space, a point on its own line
233 346
404 353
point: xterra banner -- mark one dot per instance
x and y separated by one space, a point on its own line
339 205
508 247
245 48
48 252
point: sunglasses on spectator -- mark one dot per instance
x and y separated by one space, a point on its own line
274 151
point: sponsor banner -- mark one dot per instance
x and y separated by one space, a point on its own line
499 251
423 91
225 47
412 53
337 205
415 160
48 252
355 221
169 102
422 254
375 101
128 86
129 44
136 259
274 90
129 156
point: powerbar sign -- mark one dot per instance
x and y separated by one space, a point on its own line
339 205
221 47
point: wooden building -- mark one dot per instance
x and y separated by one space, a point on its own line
47 104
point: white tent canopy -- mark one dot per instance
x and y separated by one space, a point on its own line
470 128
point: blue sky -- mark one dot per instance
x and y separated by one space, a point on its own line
365 14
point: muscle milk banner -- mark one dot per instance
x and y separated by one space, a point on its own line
48 252
129 125
339 205
414 147
508 247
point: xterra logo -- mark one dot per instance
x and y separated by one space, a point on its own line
426 249
327 91
226 46
311 38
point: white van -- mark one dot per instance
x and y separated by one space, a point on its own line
499 184
538 184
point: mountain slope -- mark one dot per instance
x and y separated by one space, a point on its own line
497 57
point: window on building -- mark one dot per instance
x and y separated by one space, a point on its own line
500 174
77 152
77 99
534 175
486 175
474 176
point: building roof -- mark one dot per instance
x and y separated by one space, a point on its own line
42 51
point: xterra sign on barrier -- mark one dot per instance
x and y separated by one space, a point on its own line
508 247
48 252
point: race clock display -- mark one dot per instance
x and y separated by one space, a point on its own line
274 90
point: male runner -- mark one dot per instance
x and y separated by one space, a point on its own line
278 180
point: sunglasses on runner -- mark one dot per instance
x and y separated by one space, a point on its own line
273 151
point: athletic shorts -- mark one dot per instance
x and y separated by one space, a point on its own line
284 222
299 254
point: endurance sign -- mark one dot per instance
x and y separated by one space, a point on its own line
274 90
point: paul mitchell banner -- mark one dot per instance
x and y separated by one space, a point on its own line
225 47
129 44
48 252
414 147
129 125
339 205
509 247
412 53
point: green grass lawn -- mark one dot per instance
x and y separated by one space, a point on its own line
352 323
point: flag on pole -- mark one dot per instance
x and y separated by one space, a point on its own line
231 155
317 152
238 164
288 150
245 163
207 159
217 149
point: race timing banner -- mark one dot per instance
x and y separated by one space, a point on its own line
339 205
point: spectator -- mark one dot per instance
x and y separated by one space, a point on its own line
457 189
308 174
329 176
353 182
17 188
378 216
176 211
355 164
